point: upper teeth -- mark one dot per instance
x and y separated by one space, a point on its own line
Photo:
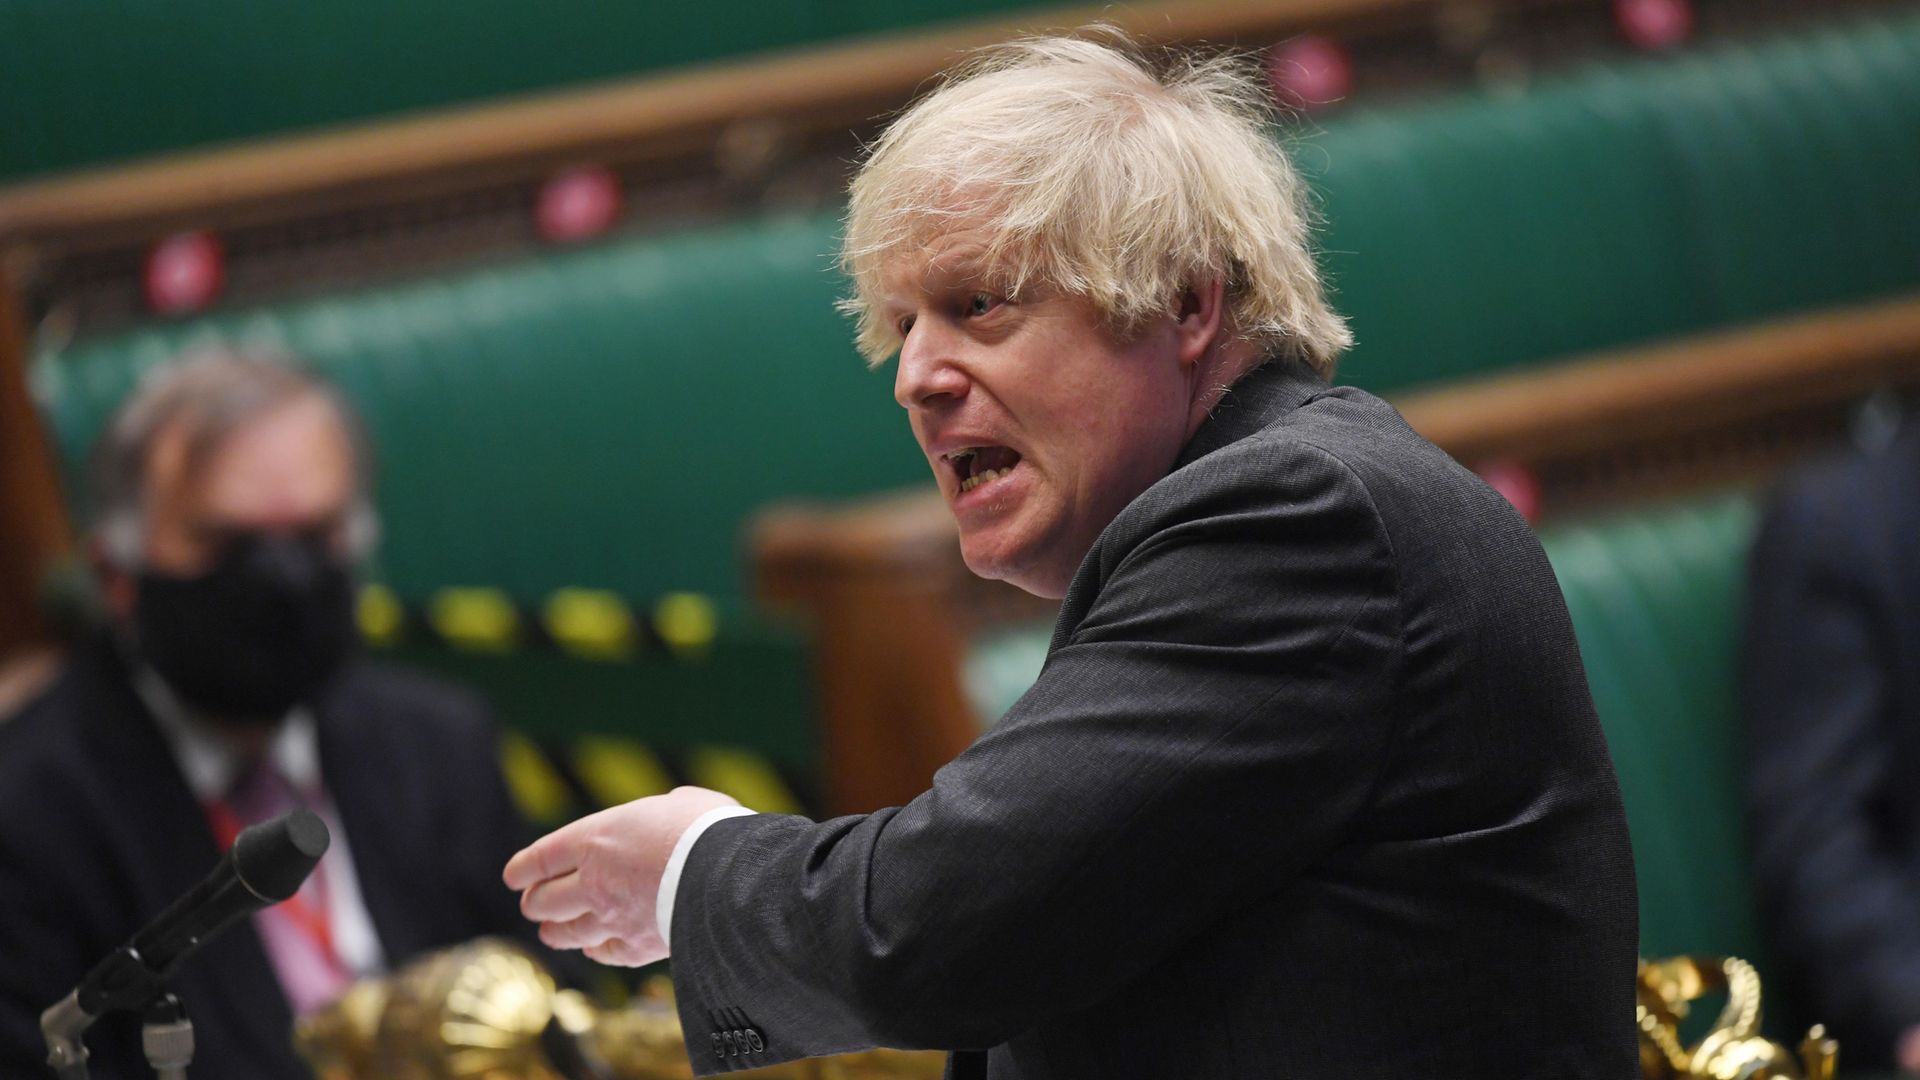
977 479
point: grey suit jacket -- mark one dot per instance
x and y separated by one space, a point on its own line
1311 786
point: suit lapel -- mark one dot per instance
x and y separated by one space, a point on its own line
377 804
350 774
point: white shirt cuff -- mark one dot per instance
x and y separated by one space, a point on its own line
670 877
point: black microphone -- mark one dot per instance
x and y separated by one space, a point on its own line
266 865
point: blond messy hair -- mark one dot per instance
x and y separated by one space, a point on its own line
1098 172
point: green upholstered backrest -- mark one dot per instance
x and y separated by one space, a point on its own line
1656 602
603 418
104 80
607 417
1624 203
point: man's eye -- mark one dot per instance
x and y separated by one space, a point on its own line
980 304
905 325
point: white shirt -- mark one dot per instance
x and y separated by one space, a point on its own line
210 766
670 878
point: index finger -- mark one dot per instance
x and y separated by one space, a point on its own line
554 854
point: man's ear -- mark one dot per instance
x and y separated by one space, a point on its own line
1200 319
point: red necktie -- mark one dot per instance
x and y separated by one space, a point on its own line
296 931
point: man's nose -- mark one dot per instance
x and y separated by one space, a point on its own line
928 370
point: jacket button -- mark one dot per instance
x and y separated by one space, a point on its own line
719 1048
733 1049
754 1043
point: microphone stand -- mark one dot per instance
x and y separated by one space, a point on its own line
121 981
62 1025
167 1036
166 1033
265 865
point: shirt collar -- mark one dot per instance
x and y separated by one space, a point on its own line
208 762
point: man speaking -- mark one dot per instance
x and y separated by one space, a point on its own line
1311 785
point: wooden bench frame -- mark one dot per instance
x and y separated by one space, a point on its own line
892 608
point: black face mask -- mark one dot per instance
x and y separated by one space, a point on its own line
261 631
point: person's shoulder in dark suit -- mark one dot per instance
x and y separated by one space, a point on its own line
71 888
1830 697
413 764
51 779
1862 494
1492 749
375 697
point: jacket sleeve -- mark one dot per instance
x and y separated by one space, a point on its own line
1816 688
1201 730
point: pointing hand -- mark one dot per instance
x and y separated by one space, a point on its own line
592 885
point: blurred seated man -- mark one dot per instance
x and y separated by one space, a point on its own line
1831 689
231 513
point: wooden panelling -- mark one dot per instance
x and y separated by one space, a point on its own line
33 526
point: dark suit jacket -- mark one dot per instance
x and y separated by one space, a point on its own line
1311 786
99 832
1831 696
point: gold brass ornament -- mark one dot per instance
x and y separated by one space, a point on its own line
488 1010
1733 1049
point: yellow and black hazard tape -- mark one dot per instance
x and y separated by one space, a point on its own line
594 624
556 780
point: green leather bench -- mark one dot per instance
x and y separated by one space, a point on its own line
602 418
1625 204
1656 600
608 417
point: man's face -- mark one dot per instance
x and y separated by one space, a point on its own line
1039 426
243 600
288 472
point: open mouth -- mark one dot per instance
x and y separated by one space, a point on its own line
977 465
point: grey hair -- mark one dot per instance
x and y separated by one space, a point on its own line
1099 171
207 397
